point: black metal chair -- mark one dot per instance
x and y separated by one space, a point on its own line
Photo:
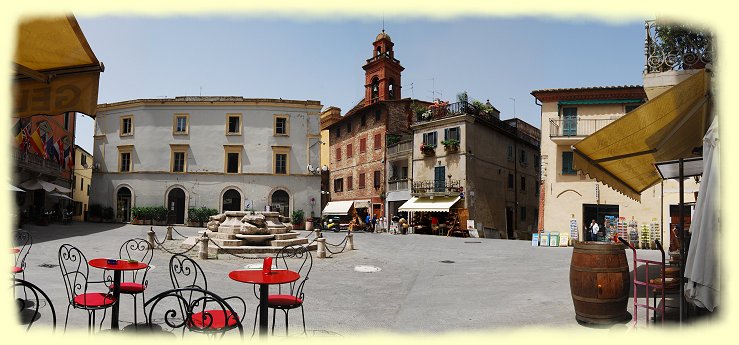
134 282
292 297
76 276
29 311
193 309
23 242
189 281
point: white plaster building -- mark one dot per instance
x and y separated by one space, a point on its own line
227 153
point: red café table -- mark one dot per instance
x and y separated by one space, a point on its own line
117 268
264 281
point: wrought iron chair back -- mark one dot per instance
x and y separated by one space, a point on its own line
24 242
30 312
198 314
136 249
75 271
302 262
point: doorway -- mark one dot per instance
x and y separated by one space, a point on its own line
231 200
123 205
439 178
599 213
176 206
281 201
509 222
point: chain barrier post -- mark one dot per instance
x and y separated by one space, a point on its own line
321 251
203 253
318 233
350 240
151 237
168 237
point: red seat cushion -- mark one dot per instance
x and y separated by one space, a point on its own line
94 299
214 319
17 269
283 301
130 288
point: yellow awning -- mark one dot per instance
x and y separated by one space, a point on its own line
56 71
622 154
426 204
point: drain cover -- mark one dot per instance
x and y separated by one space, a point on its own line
367 269
48 265
447 261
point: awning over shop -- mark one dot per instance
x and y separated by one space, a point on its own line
56 71
367 203
337 208
622 154
437 204
47 186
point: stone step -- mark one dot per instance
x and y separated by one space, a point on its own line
290 242
252 251
223 243
220 235
286 236
254 239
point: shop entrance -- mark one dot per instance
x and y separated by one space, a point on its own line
597 212
176 206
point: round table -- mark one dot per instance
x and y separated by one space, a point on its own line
117 268
264 280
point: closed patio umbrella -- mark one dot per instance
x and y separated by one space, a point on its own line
702 265
60 196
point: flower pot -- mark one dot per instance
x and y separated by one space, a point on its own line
451 148
137 222
147 221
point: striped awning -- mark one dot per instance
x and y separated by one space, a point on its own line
337 208
427 204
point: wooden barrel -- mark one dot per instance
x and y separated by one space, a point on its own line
599 282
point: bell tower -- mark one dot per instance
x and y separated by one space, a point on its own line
382 72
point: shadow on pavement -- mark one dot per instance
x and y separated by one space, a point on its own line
56 231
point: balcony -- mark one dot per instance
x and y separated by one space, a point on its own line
30 161
436 187
397 185
400 148
575 128
676 47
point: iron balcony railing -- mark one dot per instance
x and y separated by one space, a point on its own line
31 161
676 47
576 127
397 185
488 116
436 186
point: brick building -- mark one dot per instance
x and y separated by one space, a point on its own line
358 139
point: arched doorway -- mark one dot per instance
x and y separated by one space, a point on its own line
176 206
231 200
281 202
123 205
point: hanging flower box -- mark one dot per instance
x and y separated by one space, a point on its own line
451 145
428 150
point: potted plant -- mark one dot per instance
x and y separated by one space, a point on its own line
193 216
451 145
204 215
159 215
108 214
95 212
147 214
298 219
428 150
137 217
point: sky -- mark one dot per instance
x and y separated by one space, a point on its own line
498 59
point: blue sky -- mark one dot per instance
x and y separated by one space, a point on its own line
495 58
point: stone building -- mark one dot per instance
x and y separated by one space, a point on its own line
226 153
81 181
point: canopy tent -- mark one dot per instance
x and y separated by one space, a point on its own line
437 204
47 186
56 71
337 208
622 154
702 268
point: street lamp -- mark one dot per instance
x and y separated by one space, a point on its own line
316 170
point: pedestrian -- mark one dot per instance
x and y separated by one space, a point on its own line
374 223
594 229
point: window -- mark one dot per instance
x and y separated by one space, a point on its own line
178 162
523 159
339 185
281 125
363 121
451 133
180 124
281 160
83 159
126 125
377 179
567 163
378 115
523 183
378 141
510 181
350 183
404 172
348 151
82 183
124 162
338 153
537 162
569 122
523 213
510 153
74 181
362 145
232 160
429 139
361 181
233 124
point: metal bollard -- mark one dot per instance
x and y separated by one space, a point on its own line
321 252
151 236
350 240
203 253
168 237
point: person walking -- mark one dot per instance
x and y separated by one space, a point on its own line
594 229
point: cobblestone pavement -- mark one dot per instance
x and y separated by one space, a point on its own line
425 284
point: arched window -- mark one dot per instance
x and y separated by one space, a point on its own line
391 89
379 51
375 87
